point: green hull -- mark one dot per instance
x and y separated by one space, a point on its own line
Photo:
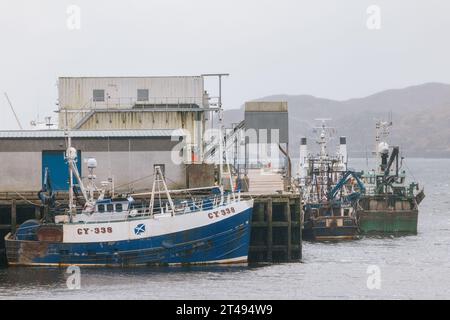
388 222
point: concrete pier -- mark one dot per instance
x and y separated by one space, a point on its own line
276 234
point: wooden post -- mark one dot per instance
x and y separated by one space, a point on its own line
37 212
289 235
260 212
13 215
45 216
269 231
299 209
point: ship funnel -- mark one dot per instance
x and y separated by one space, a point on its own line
303 163
343 150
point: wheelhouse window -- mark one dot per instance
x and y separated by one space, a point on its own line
101 208
98 95
110 207
142 94
119 207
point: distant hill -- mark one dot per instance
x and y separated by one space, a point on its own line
421 116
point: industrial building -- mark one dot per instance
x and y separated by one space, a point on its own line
129 124
258 147
267 128
125 157
113 103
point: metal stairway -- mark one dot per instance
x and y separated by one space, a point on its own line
212 148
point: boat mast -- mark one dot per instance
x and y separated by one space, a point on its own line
159 178
322 174
220 155
71 157
220 116
71 202
68 147
381 145
227 163
324 138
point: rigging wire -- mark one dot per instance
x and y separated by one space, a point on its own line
26 200
409 170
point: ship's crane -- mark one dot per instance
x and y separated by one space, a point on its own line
47 195
341 183
393 157
386 179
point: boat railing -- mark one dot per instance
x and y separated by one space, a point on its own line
167 103
370 190
186 206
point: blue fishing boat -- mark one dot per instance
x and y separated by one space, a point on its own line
117 232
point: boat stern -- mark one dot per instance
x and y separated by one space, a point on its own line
335 228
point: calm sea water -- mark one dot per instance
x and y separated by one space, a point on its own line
413 267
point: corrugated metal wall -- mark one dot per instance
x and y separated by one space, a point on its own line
77 93
76 96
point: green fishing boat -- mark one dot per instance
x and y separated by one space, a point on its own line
391 203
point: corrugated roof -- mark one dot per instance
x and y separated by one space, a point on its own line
138 133
129 77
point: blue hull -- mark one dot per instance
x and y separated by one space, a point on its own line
226 241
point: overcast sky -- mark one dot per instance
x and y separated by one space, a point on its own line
318 47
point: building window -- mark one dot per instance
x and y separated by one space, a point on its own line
142 95
98 95
162 167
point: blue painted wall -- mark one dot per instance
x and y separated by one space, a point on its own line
58 169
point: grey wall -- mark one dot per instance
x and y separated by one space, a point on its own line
135 167
20 171
21 160
269 121
76 93
266 125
